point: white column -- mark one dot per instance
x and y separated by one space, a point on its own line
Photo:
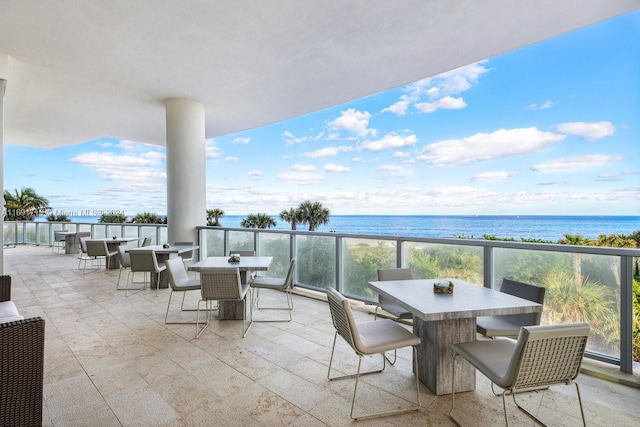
186 169
3 84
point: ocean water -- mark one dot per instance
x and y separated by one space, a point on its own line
549 228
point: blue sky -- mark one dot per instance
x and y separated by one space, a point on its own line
552 128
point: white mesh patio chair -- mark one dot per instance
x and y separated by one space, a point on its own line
369 338
179 282
125 262
541 357
221 284
98 250
274 283
145 262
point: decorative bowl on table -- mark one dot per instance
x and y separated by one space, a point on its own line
233 258
114 237
166 246
443 286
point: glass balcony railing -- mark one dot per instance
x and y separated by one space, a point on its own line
584 283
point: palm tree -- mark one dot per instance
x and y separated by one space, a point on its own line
113 218
24 205
576 239
292 216
313 214
147 218
213 217
58 218
259 220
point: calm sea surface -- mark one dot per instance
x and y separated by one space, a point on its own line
531 227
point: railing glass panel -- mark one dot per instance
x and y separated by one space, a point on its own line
212 243
316 261
361 259
580 288
276 246
433 260
240 241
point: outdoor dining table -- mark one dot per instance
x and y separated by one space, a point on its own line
71 240
232 310
163 254
441 320
112 245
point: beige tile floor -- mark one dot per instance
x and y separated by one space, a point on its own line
111 361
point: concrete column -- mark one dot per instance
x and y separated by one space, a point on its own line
186 169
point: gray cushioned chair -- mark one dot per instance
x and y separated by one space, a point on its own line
98 250
509 325
387 274
541 357
369 338
179 282
144 261
221 284
274 283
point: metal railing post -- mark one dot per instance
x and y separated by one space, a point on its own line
626 314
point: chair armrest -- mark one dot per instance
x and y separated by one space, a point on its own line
5 288
21 372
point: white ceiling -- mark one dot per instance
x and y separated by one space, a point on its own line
84 69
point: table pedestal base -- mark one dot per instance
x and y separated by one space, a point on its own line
434 354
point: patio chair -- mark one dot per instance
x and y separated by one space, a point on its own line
369 338
83 257
387 274
179 282
275 283
146 242
541 357
59 240
21 367
221 284
187 257
509 325
97 250
145 262
125 262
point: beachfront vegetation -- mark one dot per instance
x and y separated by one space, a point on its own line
213 217
113 218
58 218
293 216
147 218
24 205
313 214
258 220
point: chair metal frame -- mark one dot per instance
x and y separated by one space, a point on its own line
179 282
348 329
125 262
148 264
541 357
284 285
222 284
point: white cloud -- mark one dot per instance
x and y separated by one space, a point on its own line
400 107
492 176
401 154
106 160
355 121
546 104
303 168
241 140
485 146
389 168
255 173
390 140
212 151
581 162
588 131
230 159
446 103
327 151
300 177
331 167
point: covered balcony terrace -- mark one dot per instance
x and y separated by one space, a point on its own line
111 360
